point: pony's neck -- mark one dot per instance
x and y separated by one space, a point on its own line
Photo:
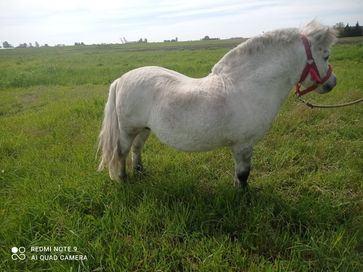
264 76
272 62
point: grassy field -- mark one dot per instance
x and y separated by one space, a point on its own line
185 215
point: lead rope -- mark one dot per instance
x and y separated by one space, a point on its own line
311 105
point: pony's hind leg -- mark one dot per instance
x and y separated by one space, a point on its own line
137 146
124 147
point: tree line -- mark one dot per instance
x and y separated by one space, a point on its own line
345 30
23 45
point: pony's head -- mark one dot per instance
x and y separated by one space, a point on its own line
317 74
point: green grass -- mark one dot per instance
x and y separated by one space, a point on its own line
185 214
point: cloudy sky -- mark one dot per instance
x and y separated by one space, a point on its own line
105 21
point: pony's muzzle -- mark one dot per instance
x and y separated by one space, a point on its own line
328 85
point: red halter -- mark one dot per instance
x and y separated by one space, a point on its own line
312 69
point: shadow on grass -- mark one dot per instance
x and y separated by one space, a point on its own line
264 223
206 208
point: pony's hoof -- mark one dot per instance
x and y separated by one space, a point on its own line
140 175
244 189
122 178
243 185
139 169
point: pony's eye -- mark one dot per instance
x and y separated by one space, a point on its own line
326 58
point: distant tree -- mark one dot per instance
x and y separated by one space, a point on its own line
7 45
172 40
36 44
357 29
339 25
30 45
207 38
340 28
346 32
22 45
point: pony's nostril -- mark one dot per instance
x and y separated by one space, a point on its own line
335 81
328 87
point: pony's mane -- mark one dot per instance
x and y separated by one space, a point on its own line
254 46
282 37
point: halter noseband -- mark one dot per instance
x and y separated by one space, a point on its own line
312 69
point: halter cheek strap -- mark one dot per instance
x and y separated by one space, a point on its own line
312 69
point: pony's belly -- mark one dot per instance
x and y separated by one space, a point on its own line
190 143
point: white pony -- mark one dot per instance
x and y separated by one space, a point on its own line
233 106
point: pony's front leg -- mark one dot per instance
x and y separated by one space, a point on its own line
242 158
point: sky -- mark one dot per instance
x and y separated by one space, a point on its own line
106 21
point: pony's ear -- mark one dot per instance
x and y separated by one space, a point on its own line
321 35
326 37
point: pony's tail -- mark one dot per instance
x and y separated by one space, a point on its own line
109 138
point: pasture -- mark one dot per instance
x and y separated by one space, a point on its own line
185 214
